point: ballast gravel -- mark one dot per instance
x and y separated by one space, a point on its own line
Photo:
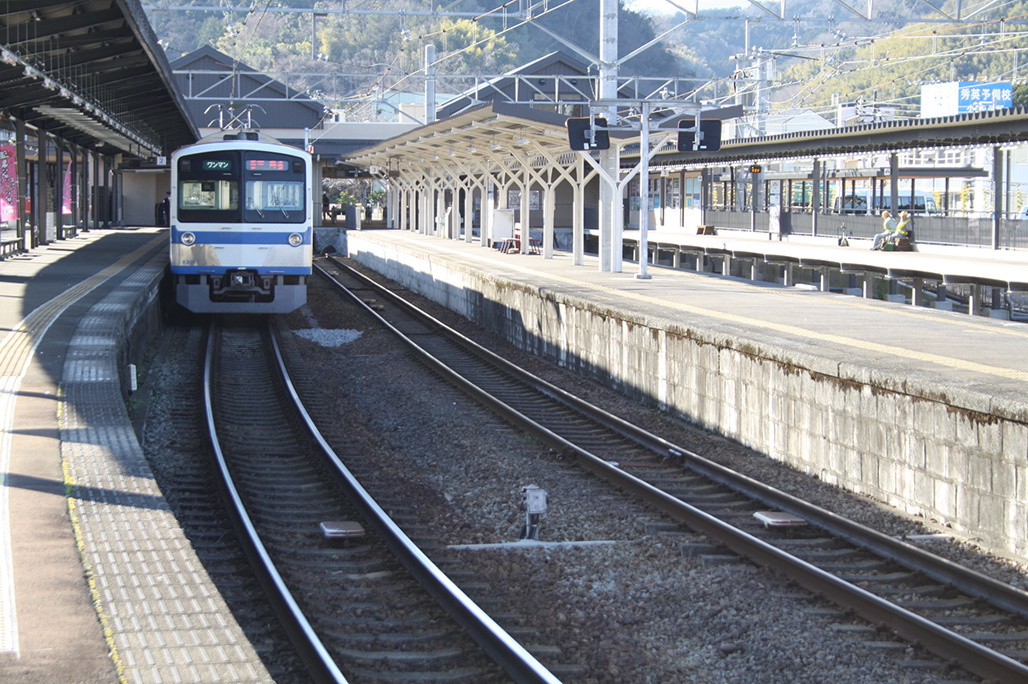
611 592
328 338
612 584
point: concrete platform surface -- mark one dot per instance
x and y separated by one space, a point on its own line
950 348
97 581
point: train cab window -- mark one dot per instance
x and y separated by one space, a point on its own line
274 186
207 195
274 201
208 187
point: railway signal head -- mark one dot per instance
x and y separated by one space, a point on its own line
588 134
709 138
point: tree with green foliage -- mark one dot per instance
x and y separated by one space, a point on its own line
269 41
379 42
266 42
1021 94
347 192
815 61
893 68
578 23
466 47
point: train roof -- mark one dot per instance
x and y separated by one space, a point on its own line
252 137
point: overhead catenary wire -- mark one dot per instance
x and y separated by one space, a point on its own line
986 43
395 86
237 50
392 79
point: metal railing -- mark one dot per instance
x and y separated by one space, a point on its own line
947 230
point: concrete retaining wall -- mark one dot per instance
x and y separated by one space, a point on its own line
958 457
138 302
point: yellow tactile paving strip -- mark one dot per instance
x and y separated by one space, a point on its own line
16 352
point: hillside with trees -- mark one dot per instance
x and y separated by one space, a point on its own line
390 44
832 56
826 54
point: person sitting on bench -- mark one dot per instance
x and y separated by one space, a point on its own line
902 229
888 228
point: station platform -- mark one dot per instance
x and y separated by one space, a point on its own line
97 581
923 409
954 348
1005 270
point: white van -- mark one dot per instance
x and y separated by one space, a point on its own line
855 202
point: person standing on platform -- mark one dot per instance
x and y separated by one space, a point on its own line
164 213
888 228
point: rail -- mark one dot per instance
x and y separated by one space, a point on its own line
940 640
310 646
522 666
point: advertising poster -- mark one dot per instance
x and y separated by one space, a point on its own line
8 184
962 97
66 193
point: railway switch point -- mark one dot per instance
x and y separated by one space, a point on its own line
779 519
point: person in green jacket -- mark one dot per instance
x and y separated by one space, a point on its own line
902 228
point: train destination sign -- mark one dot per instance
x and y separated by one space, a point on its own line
217 164
267 165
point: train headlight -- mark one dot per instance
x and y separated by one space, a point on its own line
296 239
188 238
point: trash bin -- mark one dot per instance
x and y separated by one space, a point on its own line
353 217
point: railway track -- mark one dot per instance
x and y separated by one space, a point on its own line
969 620
361 602
175 443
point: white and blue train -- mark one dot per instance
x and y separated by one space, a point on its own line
241 224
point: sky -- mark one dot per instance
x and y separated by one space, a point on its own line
665 7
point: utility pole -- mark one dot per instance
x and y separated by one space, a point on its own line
644 189
611 216
429 84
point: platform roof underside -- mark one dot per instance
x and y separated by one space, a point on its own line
90 72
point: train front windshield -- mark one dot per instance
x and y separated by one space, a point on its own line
274 188
234 187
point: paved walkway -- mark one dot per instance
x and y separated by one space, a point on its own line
947 263
97 581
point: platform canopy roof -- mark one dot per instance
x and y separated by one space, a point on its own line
494 131
996 127
91 72
498 130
